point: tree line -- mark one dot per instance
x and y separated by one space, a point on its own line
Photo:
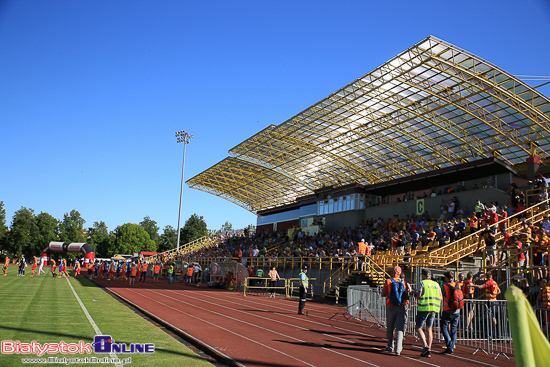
29 233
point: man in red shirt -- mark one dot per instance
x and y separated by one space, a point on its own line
492 290
397 301
468 289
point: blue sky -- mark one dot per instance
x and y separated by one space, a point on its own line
92 92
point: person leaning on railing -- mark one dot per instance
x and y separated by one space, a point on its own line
492 290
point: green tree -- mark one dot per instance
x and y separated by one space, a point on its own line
3 228
169 239
22 227
213 232
99 238
130 238
48 230
71 227
195 227
151 227
227 227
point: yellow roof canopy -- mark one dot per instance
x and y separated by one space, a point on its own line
430 107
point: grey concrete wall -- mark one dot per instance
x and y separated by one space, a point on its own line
432 204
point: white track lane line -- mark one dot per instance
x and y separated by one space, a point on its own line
92 322
259 327
310 321
217 326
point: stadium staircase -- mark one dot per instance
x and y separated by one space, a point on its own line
199 243
432 255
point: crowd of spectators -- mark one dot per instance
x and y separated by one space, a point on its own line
380 235
399 235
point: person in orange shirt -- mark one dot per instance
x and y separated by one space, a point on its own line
492 290
397 299
474 223
133 273
124 277
5 267
468 291
52 261
143 276
63 268
112 270
34 265
76 268
449 316
156 273
138 266
189 273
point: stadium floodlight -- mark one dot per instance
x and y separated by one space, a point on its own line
182 137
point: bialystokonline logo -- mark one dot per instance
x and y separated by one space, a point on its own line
101 344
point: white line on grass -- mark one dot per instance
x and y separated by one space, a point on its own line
92 322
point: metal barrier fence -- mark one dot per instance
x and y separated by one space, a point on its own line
483 325
291 286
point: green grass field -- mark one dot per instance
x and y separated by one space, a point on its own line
45 310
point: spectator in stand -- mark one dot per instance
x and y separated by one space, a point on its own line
526 237
502 216
489 235
479 208
450 210
540 252
474 223
443 211
543 198
543 300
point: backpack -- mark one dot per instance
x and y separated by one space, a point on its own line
397 289
456 298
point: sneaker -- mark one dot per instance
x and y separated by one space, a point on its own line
447 351
301 313
388 349
426 353
397 354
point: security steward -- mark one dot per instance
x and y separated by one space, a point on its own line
429 303
304 284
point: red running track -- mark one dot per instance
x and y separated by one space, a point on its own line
267 332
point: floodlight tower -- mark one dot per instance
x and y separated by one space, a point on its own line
182 137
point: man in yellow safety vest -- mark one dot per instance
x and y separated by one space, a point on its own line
429 303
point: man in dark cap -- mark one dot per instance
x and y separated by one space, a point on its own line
304 283
429 303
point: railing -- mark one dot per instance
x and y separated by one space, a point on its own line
184 249
290 286
338 276
262 284
483 325
465 246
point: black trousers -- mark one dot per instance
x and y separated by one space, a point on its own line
302 301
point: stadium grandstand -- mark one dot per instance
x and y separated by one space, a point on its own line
414 164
